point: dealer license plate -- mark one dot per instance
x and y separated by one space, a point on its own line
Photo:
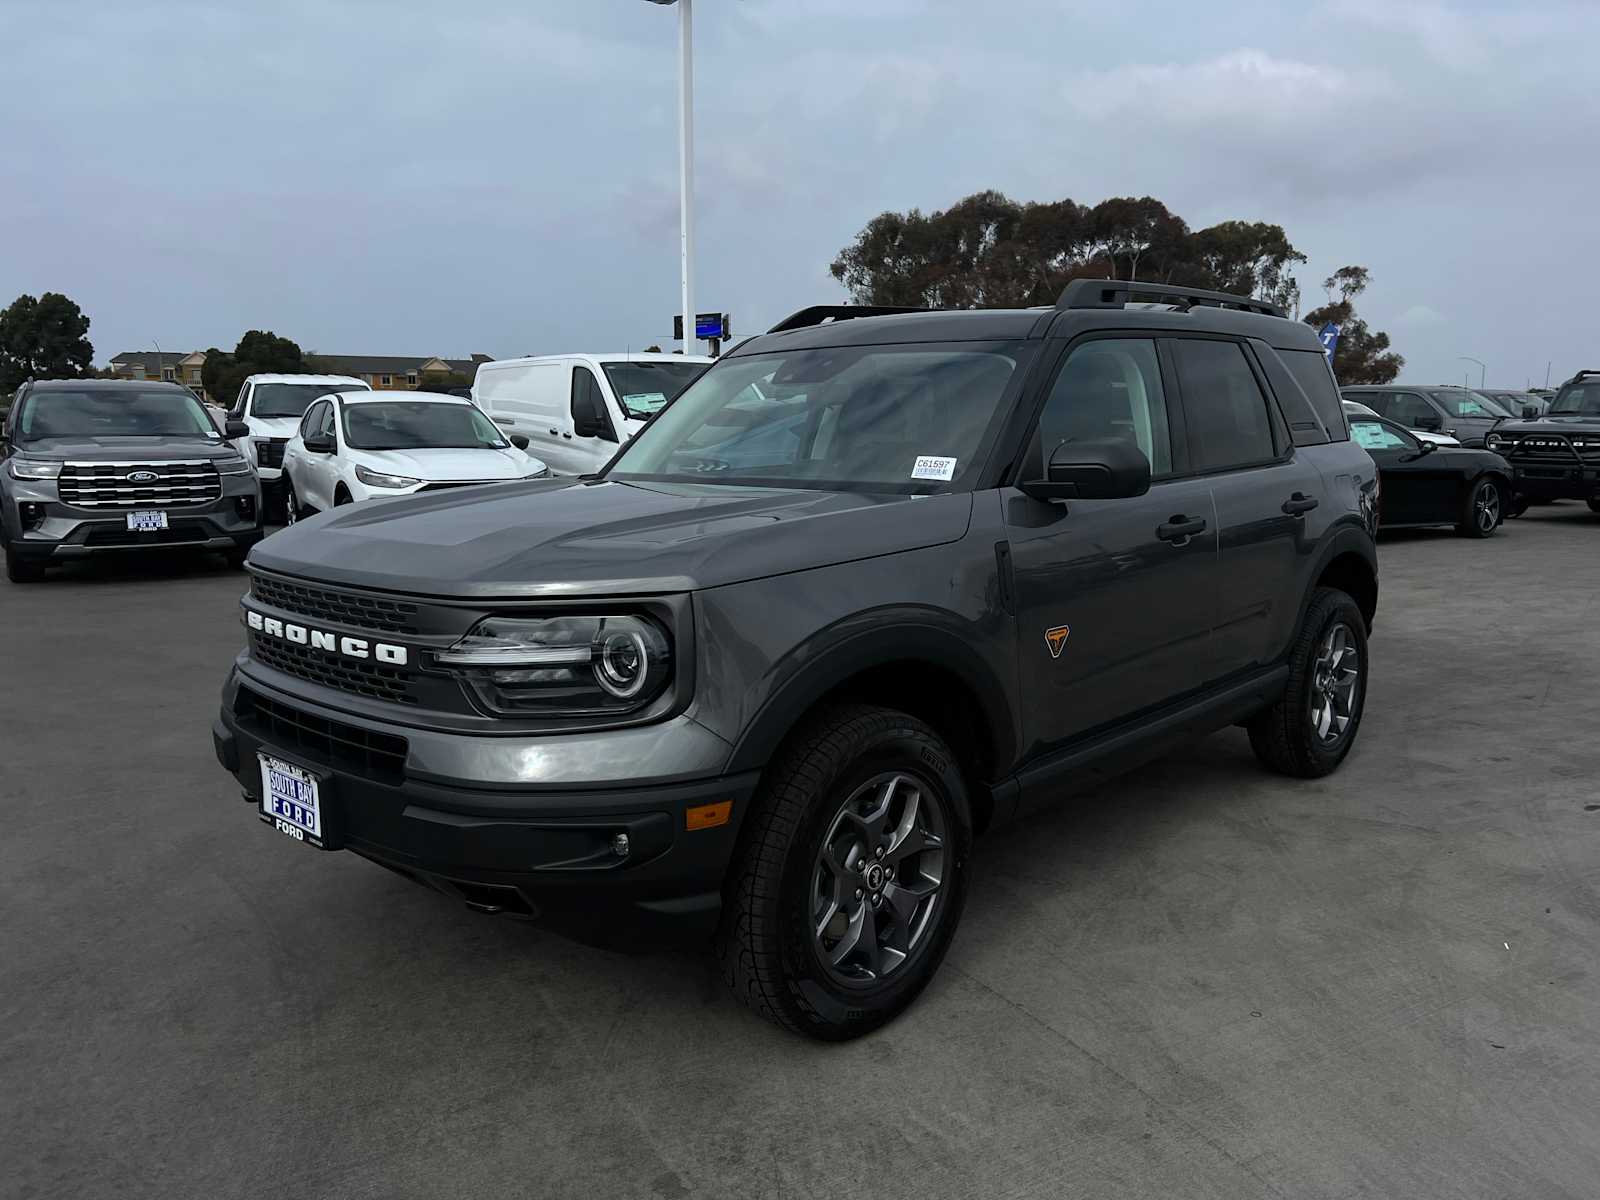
147 520
290 799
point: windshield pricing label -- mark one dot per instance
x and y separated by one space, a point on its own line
931 467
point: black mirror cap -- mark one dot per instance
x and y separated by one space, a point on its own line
1101 469
235 429
319 445
586 418
519 440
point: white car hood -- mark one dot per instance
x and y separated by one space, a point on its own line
274 427
449 466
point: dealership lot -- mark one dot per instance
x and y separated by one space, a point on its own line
1202 981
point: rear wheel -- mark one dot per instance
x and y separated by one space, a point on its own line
1480 510
850 876
22 570
1310 729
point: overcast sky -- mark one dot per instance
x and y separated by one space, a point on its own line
417 177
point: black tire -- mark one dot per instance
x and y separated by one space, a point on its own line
341 497
1594 505
292 509
1519 505
1283 736
22 570
1481 509
771 942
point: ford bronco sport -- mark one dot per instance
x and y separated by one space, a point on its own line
1557 456
875 582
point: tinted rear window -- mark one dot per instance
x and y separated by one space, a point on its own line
1310 371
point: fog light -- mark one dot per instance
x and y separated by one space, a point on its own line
32 514
619 845
246 507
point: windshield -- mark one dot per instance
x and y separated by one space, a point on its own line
913 419
292 399
1580 398
419 425
105 412
1461 403
645 387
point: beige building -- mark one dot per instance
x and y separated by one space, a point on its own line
382 372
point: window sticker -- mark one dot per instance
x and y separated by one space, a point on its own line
932 467
644 402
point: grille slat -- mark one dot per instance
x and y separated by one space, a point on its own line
177 532
106 485
373 680
380 756
342 608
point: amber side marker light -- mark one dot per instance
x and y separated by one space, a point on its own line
707 816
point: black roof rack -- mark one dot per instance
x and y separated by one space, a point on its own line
1581 374
821 314
1119 293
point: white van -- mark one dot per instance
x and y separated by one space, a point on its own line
577 410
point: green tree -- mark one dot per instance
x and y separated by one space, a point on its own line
990 251
1362 355
443 383
258 353
43 338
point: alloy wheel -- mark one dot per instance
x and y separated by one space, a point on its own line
1335 684
877 883
1486 507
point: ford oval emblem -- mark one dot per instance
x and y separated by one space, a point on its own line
142 477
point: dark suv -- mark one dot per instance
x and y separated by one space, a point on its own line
1461 413
876 581
99 466
1557 456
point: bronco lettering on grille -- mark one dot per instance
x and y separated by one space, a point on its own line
350 647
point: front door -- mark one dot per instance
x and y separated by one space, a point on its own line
1416 488
1114 598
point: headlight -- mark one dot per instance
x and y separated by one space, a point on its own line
1493 440
563 666
33 468
379 479
232 465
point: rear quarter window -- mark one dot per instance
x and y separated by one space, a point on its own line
1310 371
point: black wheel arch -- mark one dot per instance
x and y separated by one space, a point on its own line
1348 561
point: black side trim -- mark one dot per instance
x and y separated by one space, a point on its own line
1102 756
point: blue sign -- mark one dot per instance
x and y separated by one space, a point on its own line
709 325
1329 337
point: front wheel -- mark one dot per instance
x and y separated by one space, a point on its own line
1311 728
292 512
22 570
1480 510
1594 506
850 876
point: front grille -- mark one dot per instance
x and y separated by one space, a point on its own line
269 452
360 609
176 533
108 485
1550 448
455 483
380 756
370 679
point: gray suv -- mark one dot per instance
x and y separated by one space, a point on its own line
94 466
877 581
1465 414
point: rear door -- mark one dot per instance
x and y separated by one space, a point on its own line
530 399
1114 606
1240 443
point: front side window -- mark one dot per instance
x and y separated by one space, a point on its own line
1470 404
1580 399
644 388
312 421
1375 435
92 413
1108 389
1229 425
912 419
586 390
419 425
1412 411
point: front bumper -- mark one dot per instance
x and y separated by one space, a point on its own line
46 529
543 852
1555 481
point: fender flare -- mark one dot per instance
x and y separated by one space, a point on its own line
819 670
1351 538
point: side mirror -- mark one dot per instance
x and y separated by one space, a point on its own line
318 443
519 440
1423 450
235 429
1101 469
1529 412
588 420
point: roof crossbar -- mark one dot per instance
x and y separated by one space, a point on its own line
1119 293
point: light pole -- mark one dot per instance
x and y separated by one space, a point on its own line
1483 371
685 159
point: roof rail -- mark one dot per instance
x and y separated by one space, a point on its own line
1581 374
1118 293
821 314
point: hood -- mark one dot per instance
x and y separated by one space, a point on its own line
562 537
447 466
1554 423
274 427
127 449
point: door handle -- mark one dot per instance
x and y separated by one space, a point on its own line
1180 529
553 432
506 420
1299 504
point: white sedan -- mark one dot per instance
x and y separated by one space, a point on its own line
356 446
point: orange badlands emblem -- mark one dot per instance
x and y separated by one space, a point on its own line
1056 639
